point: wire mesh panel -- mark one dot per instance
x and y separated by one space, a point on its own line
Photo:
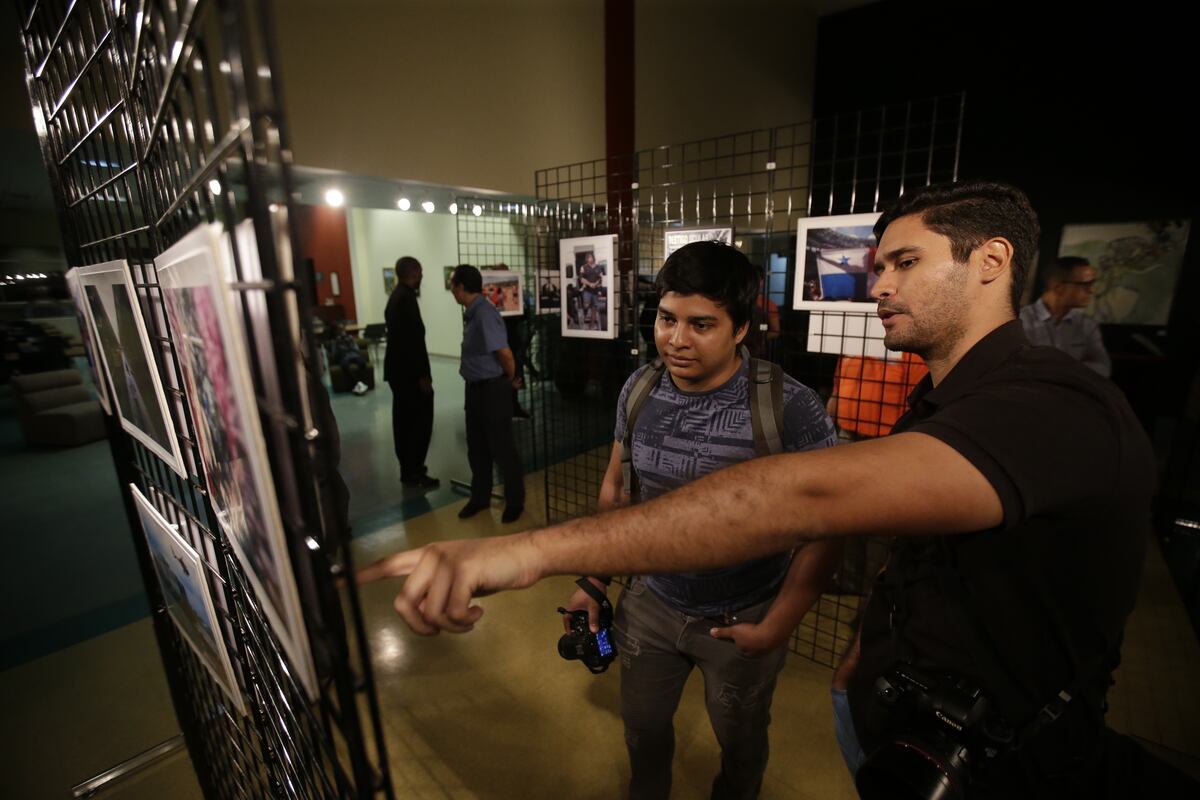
156 118
759 185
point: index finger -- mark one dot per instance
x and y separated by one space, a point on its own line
393 566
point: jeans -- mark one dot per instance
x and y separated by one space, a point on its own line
843 728
658 646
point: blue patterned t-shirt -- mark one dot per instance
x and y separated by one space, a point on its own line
680 436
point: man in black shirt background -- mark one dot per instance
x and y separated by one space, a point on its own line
1018 486
406 369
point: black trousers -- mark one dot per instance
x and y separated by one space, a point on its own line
412 427
490 440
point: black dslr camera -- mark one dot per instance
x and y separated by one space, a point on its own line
944 729
595 650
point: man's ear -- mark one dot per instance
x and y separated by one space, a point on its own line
741 332
994 258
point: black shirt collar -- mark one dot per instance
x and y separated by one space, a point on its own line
988 353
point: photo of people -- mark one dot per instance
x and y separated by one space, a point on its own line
124 348
229 437
834 262
185 590
587 277
502 287
549 295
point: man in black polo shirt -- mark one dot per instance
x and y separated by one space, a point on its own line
1019 488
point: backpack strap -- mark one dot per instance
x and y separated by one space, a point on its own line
638 394
766 405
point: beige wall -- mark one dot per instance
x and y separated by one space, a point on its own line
711 67
377 238
462 92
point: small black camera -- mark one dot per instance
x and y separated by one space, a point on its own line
944 728
595 650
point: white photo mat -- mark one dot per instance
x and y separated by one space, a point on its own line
181 574
503 288
589 296
119 331
213 356
833 272
99 379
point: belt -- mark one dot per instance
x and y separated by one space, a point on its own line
486 380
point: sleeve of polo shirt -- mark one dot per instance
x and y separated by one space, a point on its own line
806 424
495 335
1043 447
623 401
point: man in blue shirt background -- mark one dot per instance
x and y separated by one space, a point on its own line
489 369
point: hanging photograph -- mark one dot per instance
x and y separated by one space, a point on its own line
834 260
181 574
119 333
549 293
220 392
587 267
675 238
448 273
389 280
89 344
1137 267
503 288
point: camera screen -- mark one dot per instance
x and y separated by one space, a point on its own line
603 644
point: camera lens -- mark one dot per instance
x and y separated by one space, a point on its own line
569 648
909 769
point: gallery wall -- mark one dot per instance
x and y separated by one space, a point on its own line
323 238
709 67
377 238
466 93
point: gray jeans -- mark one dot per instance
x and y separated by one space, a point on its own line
658 647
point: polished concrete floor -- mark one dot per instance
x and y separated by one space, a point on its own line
495 714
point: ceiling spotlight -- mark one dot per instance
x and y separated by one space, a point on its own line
335 198
214 186
428 206
454 208
477 209
404 204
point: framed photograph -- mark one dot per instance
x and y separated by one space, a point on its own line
1137 267
675 238
389 279
220 392
503 288
448 272
549 292
119 333
834 260
99 380
181 573
589 296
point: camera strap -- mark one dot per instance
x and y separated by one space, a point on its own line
606 609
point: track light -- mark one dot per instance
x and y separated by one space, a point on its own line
454 208
404 204
428 206
335 198
477 209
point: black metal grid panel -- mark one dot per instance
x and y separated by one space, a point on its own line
142 110
500 234
760 183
